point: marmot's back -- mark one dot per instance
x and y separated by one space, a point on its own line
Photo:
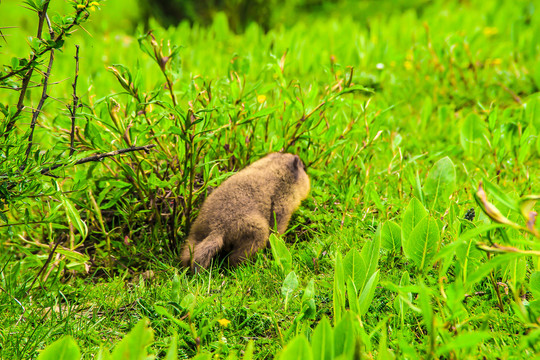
237 216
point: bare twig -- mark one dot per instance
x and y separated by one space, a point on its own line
99 157
47 262
38 109
26 78
73 109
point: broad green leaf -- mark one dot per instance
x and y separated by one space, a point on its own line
423 243
64 348
322 341
414 213
282 256
134 345
298 348
440 184
248 353
355 268
472 134
391 236
351 296
172 353
189 301
344 335
339 289
370 255
399 302
366 297
534 284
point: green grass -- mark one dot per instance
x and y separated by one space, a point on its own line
448 79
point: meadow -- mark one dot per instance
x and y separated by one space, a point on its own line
419 125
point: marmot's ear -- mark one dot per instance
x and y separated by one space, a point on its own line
296 165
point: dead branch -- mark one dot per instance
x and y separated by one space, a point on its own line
99 157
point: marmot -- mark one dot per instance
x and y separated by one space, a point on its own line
237 216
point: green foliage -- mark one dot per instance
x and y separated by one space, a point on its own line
418 123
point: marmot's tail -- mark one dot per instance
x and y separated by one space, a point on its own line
200 254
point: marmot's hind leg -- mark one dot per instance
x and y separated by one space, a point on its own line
253 238
200 254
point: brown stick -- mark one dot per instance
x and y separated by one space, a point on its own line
99 157
38 109
73 109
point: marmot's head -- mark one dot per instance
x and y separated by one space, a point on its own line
294 169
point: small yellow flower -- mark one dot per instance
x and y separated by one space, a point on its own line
261 99
94 3
408 65
81 6
490 31
224 322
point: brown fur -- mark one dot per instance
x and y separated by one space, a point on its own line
237 216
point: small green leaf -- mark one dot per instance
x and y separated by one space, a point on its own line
534 284
463 341
289 286
74 216
472 134
339 289
352 296
308 301
427 109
